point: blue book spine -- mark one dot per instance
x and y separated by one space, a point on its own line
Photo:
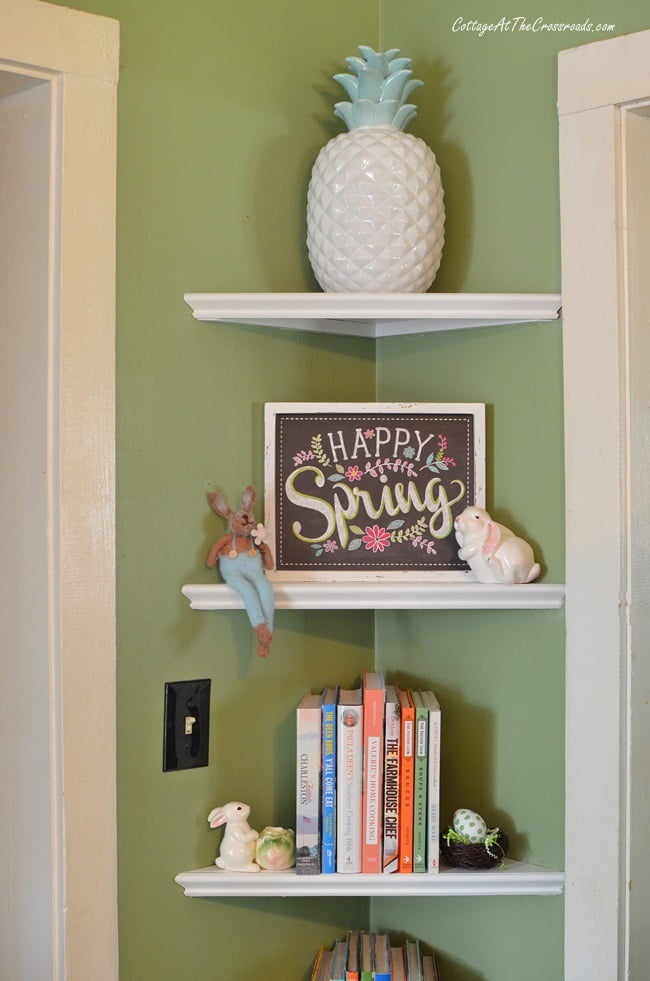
328 853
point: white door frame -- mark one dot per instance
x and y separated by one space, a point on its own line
599 85
77 54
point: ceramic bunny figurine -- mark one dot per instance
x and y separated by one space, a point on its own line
243 556
494 553
237 850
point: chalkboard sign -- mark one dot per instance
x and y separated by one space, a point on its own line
370 491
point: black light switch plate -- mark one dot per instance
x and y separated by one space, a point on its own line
186 733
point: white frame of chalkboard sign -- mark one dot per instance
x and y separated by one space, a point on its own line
368 491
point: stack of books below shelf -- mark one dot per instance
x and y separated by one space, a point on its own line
368 780
373 957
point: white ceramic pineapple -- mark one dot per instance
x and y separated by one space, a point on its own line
375 211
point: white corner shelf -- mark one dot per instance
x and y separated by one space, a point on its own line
515 879
375 315
386 596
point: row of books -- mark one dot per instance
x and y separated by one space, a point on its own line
368 779
372 957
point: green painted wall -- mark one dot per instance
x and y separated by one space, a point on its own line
222 109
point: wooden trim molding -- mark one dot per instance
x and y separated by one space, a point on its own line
77 55
598 84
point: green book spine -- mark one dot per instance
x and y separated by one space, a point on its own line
420 784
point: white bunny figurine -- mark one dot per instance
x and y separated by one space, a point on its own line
492 551
237 851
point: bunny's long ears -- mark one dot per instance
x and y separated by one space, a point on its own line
219 504
492 540
247 498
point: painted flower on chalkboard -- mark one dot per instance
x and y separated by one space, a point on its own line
330 545
354 473
376 539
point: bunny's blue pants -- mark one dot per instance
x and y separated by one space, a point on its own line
245 573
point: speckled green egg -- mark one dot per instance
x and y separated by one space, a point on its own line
469 824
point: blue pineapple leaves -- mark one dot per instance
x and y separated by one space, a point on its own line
385 61
378 90
371 84
394 87
349 83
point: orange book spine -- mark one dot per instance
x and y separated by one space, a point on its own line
406 780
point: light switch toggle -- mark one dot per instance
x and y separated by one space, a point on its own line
190 721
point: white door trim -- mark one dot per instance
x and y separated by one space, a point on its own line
598 84
77 53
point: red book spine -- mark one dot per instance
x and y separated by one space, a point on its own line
407 772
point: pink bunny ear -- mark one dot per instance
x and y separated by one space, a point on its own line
247 497
492 539
219 504
218 820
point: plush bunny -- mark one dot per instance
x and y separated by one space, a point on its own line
237 850
493 552
243 556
